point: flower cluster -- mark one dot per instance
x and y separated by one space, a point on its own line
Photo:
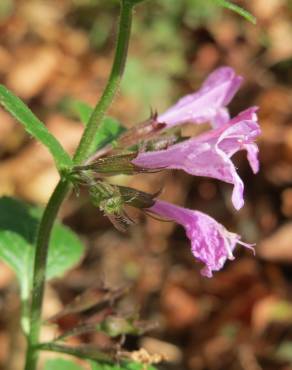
208 154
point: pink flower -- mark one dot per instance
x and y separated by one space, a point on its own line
207 104
211 243
209 154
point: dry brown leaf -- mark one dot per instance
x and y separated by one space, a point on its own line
180 308
266 10
31 174
287 202
32 71
280 35
168 350
277 247
268 310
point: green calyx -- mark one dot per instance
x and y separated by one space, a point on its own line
120 164
113 165
112 198
113 201
136 198
107 197
113 205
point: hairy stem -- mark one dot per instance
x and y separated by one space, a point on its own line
42 247
63 187
112 86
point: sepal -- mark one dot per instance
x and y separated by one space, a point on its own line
113 200
120 164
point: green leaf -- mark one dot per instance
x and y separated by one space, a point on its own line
61 364
97 366
109 129
34 127
122 366
82 110
138 366
98 360
65 251
16 252
237 9
18 227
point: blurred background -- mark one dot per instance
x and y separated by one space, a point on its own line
55 51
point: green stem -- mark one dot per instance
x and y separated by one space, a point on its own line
112 86
85 352
63 187
40 262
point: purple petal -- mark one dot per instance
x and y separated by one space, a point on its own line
224 75
221 118
243 131
203 105
210 154
248 114
211 243
252 156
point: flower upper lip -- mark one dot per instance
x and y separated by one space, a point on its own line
216 93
